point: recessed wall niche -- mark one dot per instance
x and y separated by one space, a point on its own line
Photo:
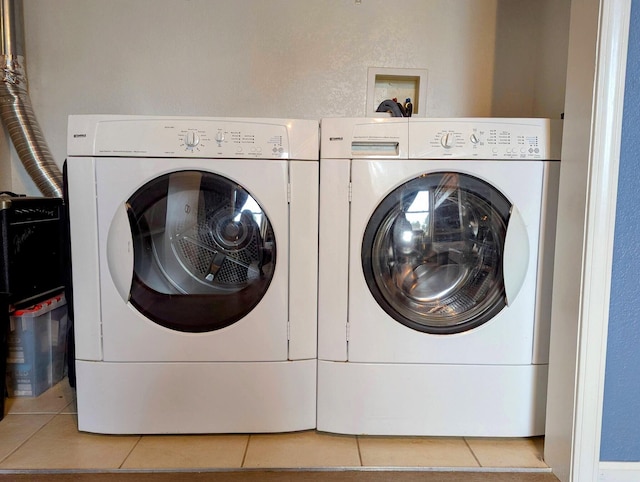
389 83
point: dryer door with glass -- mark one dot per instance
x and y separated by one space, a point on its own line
443 261
195 260
204 251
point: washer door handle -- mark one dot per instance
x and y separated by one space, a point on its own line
515 260
120 252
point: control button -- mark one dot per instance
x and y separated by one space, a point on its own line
219 137
191 139
474 139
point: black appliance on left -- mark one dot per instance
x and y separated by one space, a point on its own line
31 259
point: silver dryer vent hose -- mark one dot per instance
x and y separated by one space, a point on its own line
16 111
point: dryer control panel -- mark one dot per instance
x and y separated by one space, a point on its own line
226 138
477 138
231 140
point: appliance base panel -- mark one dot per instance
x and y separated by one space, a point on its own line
431 400
156 398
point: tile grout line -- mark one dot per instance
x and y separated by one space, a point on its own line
471 450
53 415
130 451
359 451
246 450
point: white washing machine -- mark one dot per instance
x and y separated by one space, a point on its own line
194 249
436 252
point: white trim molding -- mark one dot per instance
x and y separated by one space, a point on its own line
619 472
584 243
599 233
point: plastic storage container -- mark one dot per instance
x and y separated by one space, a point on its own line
36 347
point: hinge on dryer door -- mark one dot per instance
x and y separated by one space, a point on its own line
347 340
350 191
288 339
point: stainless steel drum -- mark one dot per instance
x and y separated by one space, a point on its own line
432 252
204 251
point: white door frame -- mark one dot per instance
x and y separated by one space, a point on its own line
586 218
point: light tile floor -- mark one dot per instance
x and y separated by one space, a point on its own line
41 433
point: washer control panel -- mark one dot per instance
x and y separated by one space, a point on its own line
479 139
192 138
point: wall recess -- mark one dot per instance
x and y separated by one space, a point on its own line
387 83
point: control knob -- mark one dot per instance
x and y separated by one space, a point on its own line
191 139
447 140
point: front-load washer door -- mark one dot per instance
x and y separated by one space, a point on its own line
443 261
193 259
432 253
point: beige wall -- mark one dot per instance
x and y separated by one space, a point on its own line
286 58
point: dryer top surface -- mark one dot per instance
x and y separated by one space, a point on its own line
202 137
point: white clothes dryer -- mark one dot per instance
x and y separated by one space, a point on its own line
194 252
436 251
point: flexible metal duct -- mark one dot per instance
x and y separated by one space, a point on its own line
16 111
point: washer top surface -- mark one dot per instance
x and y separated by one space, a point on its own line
483 138
441 138
187 137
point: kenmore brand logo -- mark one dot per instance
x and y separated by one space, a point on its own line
336 138
79 135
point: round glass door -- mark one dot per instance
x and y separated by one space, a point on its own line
204 251
432 253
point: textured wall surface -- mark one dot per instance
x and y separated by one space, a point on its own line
285 58
621 418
